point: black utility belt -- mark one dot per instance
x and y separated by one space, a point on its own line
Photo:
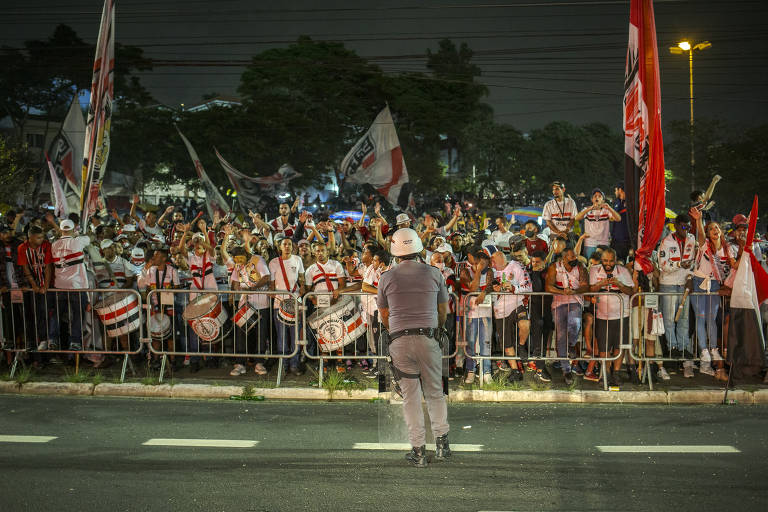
429 332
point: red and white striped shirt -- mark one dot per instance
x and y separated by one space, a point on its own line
69 262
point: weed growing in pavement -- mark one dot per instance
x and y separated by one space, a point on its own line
248 390
23 375
77 377
97 378
334 382
517 385
150 379
497 383
537 385
6 376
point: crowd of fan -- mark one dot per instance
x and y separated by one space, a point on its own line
521 294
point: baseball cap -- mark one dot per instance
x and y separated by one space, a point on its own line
490 249
444 248
106 243
66 225
303 241
349 219
558 184
740 219
137 253
198 236
595 190
402 218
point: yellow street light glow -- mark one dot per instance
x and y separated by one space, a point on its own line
684 45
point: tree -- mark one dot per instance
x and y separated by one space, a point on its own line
15 175
494 150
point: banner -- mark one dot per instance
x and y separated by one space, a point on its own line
66 152
61 209
377 159
97 125
215 202
643 145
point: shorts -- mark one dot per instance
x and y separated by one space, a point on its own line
637 324
609 333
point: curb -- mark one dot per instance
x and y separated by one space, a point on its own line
207 391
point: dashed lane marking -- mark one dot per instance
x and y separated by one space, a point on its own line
669 449
406 447
26 439
205 443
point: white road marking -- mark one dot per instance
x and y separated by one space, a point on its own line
669 449
26 439
207 443
406 447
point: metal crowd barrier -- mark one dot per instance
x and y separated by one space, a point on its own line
236 324
577 347
643 328
345 328
93 322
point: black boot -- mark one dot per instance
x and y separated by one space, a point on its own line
442 448
417 457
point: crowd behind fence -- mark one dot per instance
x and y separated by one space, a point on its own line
508 335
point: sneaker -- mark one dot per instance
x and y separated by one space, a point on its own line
470 378
613 380
502 366
340 368
442 448
364 365
417 457
705 357
75 346
259 369
688 369
238 369
706 368
568 378
590 376
515 376
577 370
662 373
53 345
543 375
43 345
716 355
530 367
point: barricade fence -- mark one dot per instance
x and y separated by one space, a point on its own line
189 326
94 323
538 327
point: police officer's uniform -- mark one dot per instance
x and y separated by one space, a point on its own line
411 292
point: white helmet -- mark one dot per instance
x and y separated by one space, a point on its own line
405 241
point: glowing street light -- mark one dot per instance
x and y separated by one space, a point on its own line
682 47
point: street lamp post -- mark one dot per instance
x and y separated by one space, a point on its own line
682 47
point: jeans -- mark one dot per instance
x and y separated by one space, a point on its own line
676 332
589 251
567 327
706 308
70 307
286 340
479 332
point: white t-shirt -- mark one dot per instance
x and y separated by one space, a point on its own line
597 224
616 305
168 279
316 275
244 275
560 213
371 277
155 230
69 262
201 268
113 273
293 268
501 239
504 305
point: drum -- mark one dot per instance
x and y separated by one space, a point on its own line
207 317
247 317
120 314
159 327
286 313
337 325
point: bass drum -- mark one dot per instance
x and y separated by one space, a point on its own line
338 325
208 318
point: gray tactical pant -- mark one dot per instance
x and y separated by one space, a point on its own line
419 355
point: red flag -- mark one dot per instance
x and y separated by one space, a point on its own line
761 276
643 145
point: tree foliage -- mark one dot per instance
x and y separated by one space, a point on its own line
15 175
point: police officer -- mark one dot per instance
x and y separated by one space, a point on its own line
413 302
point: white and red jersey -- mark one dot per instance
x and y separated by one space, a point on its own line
293 266
168 276
69 262
514 273
597 224
113 274
371 277
711 264
672 254
560 213
246 277
201 268
616 305
567 279
284 227
358 272
151 231
320 275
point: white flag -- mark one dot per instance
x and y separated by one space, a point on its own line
377 159
61 210
215 202
66 152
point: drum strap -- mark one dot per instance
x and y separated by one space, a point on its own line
325 276
285 276
201 286
160 282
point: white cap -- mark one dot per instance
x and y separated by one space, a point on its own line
106 243
137 252
66 225
198 236
444 248
129 228
402 218
405 241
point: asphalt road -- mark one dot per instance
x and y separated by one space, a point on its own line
302 456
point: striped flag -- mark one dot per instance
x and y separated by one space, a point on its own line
377 159
61 210
66 155
643 144
215 202
97 125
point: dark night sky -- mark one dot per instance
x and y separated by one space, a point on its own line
542 60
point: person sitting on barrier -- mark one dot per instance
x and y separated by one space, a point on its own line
36 262
510 312
677 253
325 275
567 280
69 274
251 274
477 308
287 274
611 312
160 275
